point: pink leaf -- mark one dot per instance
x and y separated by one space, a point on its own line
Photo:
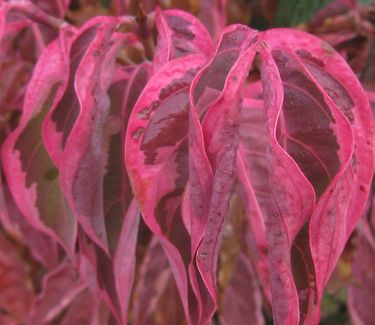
22 41
242 301
105 139
311 146
88 145
157 160
345 201
42 247
213 14
124 259
119 214
251 158
54 7
60 287
61 118
320 157
156 300
360 300
84 309
179 34
32 177
210 197
16 294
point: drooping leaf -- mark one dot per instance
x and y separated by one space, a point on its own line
86 149
253 143
125 88
330 226
179 34
272 178
84 309
242 299
62 116
102 144
60 287
156 298
24 33
218 98
32 177
42 247
213 14
124 259
360 301
321 149
16 293
54 7
156 146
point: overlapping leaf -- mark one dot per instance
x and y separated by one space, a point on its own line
346 203
32 177
16 295
156 147
360 298
60 287
278 111
42 247
240 299
24 33
213 160
156 298
321 149
179 34
96 140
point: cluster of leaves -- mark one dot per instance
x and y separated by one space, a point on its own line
154 174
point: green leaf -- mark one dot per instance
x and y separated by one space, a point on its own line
293 12
366 2
105 3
